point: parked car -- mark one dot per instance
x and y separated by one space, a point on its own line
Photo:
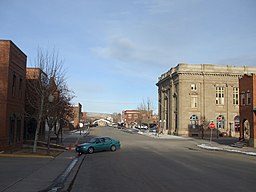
99 144
153 129
114 125
141 127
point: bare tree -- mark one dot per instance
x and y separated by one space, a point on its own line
146 109
46 92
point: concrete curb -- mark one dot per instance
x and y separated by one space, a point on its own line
228 149
72 176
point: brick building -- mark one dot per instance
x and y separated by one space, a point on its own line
77 115
247 108
35 78
12 94
191 93
138 117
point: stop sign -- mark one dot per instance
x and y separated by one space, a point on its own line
212 125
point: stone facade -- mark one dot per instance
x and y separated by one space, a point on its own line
192 93
247 108
12 94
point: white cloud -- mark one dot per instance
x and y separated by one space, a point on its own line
132 53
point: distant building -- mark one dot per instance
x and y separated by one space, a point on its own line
247 108
138 117
92 117
12 94
191 93
77 115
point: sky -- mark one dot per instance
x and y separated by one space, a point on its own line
114 51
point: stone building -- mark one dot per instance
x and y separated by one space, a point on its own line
247 108
12 94
190 94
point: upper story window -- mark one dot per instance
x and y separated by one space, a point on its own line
219 95
13 84
193 87
194 101
248 98
20 86
235 95
243 98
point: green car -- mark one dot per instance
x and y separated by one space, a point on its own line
98 144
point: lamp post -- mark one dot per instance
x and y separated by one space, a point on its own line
50 100
81 125
160 126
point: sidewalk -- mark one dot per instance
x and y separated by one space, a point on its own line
35 173
32 174
222 144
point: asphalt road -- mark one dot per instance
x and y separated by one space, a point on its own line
147 164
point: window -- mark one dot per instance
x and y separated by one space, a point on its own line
219 95
13 84
129 116
237 123
20 87
194 121
243 98
248 98
193 87
194 102
235 95
107 140
220 122
18 131
11 129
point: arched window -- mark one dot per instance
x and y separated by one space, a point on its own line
237 123
194 121
220 122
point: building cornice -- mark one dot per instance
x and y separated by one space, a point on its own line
206 70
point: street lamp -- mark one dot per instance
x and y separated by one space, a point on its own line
80 126
50 98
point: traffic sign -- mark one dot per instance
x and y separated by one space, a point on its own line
212 125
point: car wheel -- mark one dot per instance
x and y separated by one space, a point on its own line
113 148
90 150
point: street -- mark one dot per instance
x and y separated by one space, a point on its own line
147 164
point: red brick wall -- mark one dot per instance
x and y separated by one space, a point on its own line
248 83
131 116
12 101
254 105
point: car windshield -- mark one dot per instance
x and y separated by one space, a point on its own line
93 140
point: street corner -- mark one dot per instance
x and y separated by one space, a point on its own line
227 149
